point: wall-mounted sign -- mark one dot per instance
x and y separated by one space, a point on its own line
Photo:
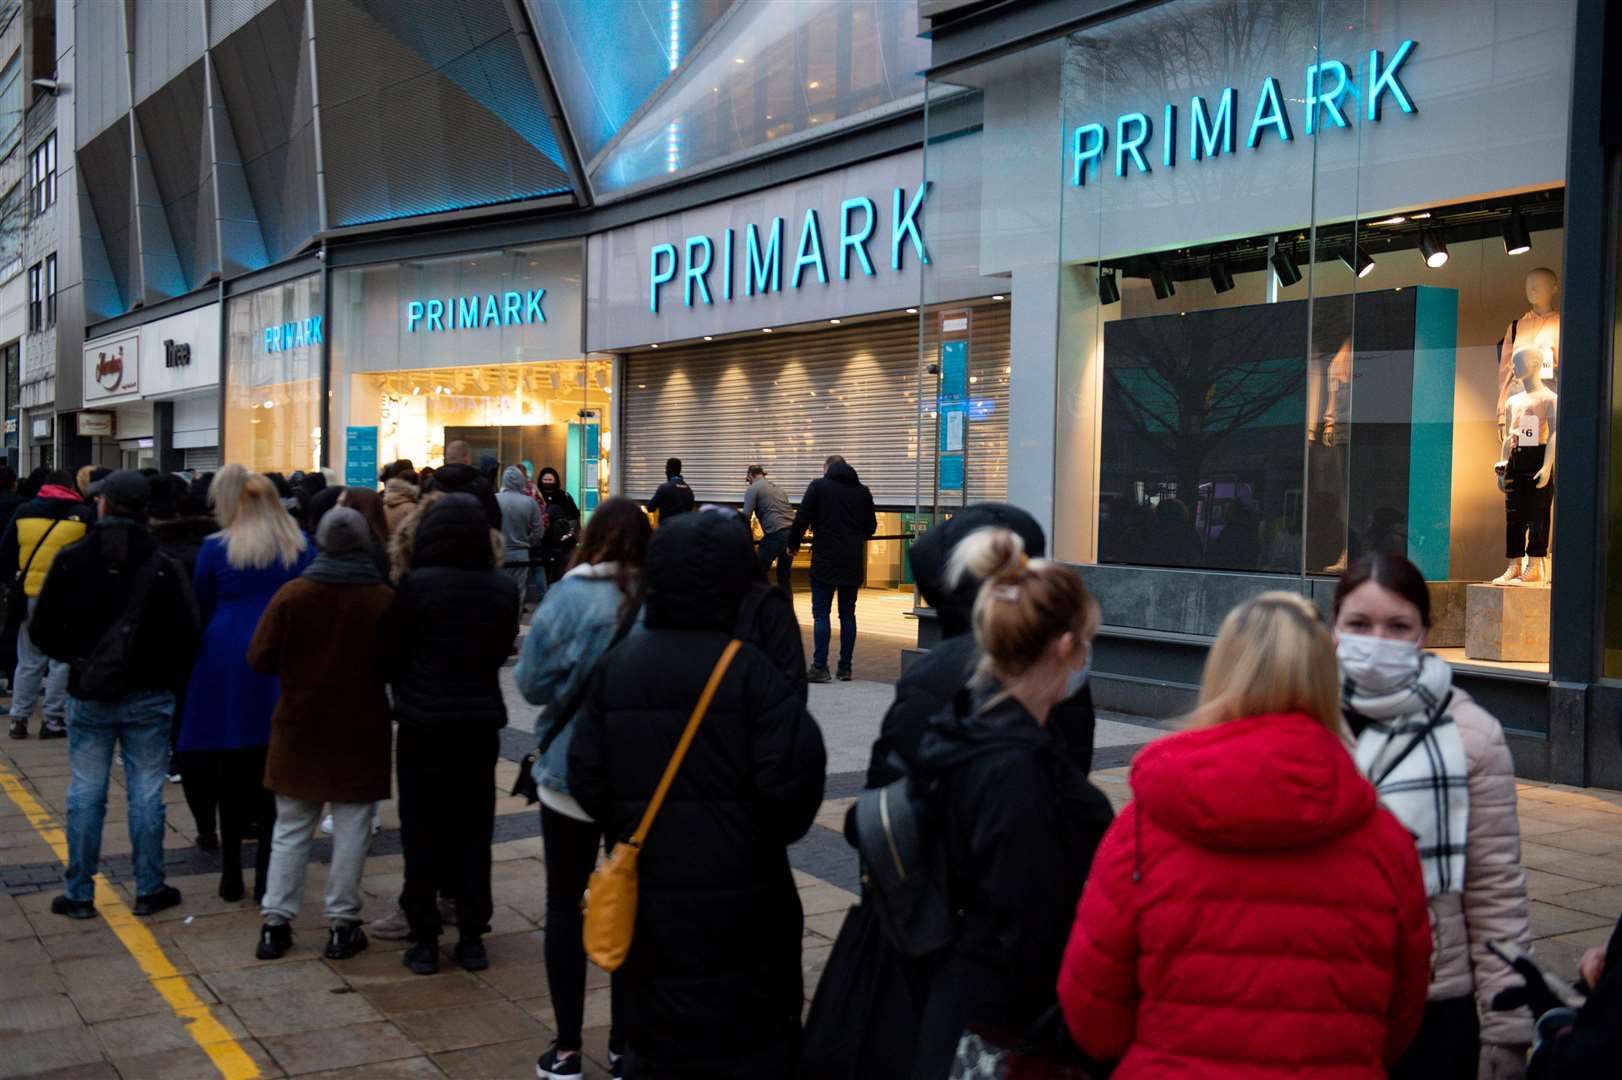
112 367
1211 128
293 335
95 423
40 428
176 354
475 312
360 457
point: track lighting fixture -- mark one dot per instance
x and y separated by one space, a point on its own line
1285 269
1221 276
1108 291
1433 248
1517 241
1357 260
1161 282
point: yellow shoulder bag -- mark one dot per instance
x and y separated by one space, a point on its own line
611 893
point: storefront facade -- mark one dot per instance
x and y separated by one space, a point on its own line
152 394
1288 286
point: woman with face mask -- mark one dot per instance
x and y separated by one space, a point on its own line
1440 764
1021 820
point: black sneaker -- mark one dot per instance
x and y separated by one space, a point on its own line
818 675
471 955
54 727
616 1064
152 903
346 940
844 674
274 941
73 909
19 728
423 957
557 1065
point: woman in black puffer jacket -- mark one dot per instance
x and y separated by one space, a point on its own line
713 983
446 636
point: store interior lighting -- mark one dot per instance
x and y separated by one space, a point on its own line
1109 292
1517 240
1359 261
1284 267
1433 248
1161 282
1221 276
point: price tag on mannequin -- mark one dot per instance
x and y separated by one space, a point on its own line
1528 433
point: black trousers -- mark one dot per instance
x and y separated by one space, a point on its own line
447 820
1526 506
571 856
247 810
1448 1046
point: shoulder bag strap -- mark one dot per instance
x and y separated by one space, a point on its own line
571 705
699 710
23 575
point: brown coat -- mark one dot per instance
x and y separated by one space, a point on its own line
399 499
330 736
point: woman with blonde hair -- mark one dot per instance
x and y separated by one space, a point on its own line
1254 911
258 549
1020 819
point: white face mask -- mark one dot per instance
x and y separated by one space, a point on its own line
1378 665
1076 680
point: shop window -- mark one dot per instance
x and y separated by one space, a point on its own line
50 290
273 377
36 307
42 175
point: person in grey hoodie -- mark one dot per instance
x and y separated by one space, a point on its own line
521 525
575 625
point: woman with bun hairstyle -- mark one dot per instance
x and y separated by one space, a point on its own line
1253 912
1020 819
1440 764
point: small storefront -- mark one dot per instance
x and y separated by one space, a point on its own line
783 326
152 394
1285 301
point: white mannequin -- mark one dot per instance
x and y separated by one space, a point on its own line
1529 422
1540 328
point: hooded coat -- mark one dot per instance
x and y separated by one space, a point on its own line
521 518
457 477
1021 825
399 499
713 983
839 509
451 625
1253 913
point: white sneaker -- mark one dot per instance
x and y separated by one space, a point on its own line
326 824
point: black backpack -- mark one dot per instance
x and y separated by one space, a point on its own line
104 675
900 835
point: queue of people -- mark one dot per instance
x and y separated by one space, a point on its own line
1318 876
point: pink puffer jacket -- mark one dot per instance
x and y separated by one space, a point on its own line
1493 904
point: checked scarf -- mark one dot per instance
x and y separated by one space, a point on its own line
1411 750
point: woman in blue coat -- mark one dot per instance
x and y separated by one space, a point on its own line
258 549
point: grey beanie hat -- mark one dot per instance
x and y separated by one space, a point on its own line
342 529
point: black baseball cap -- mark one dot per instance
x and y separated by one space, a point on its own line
124 489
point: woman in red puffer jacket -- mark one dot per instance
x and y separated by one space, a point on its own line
1254 912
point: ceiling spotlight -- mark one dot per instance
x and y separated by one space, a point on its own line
999 296
654 346
709 337
912 311
1162 283
834 321
1221 276
1395 219
1432 247
765 329
1284 268
1109 292
1517 241
1359 261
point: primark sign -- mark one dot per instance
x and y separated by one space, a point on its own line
1332 95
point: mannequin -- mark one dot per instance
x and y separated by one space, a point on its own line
1527 472
1540 328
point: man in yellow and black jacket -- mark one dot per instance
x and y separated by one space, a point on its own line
56 518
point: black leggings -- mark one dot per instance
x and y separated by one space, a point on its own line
239 777
196 777
571 856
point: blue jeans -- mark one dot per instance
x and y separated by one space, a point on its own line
33 669
774 552
139 723
822 598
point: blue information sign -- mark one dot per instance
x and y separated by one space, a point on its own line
360 457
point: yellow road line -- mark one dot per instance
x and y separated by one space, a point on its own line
208 1033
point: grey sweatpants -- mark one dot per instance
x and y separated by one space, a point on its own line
296 820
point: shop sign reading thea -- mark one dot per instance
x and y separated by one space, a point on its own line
1327 85
763 251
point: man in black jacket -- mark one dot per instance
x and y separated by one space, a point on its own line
839 510
459 475
674 497
123 696
713 984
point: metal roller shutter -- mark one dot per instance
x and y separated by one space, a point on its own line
203 458
788 400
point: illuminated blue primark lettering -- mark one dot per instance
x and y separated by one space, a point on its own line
694 273
1168 137
1087 147
294 335
656 276
492 312
1269 114
1382 81
436 309
726 269
467 312
1132 147
810 253
849 241
1318 98
413 317
765 269
1209 137
512 306
907 225
532 306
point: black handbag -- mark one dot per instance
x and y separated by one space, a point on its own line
14 601
866 1013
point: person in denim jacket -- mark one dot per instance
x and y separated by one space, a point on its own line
574 626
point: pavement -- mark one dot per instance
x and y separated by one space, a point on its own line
181 995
